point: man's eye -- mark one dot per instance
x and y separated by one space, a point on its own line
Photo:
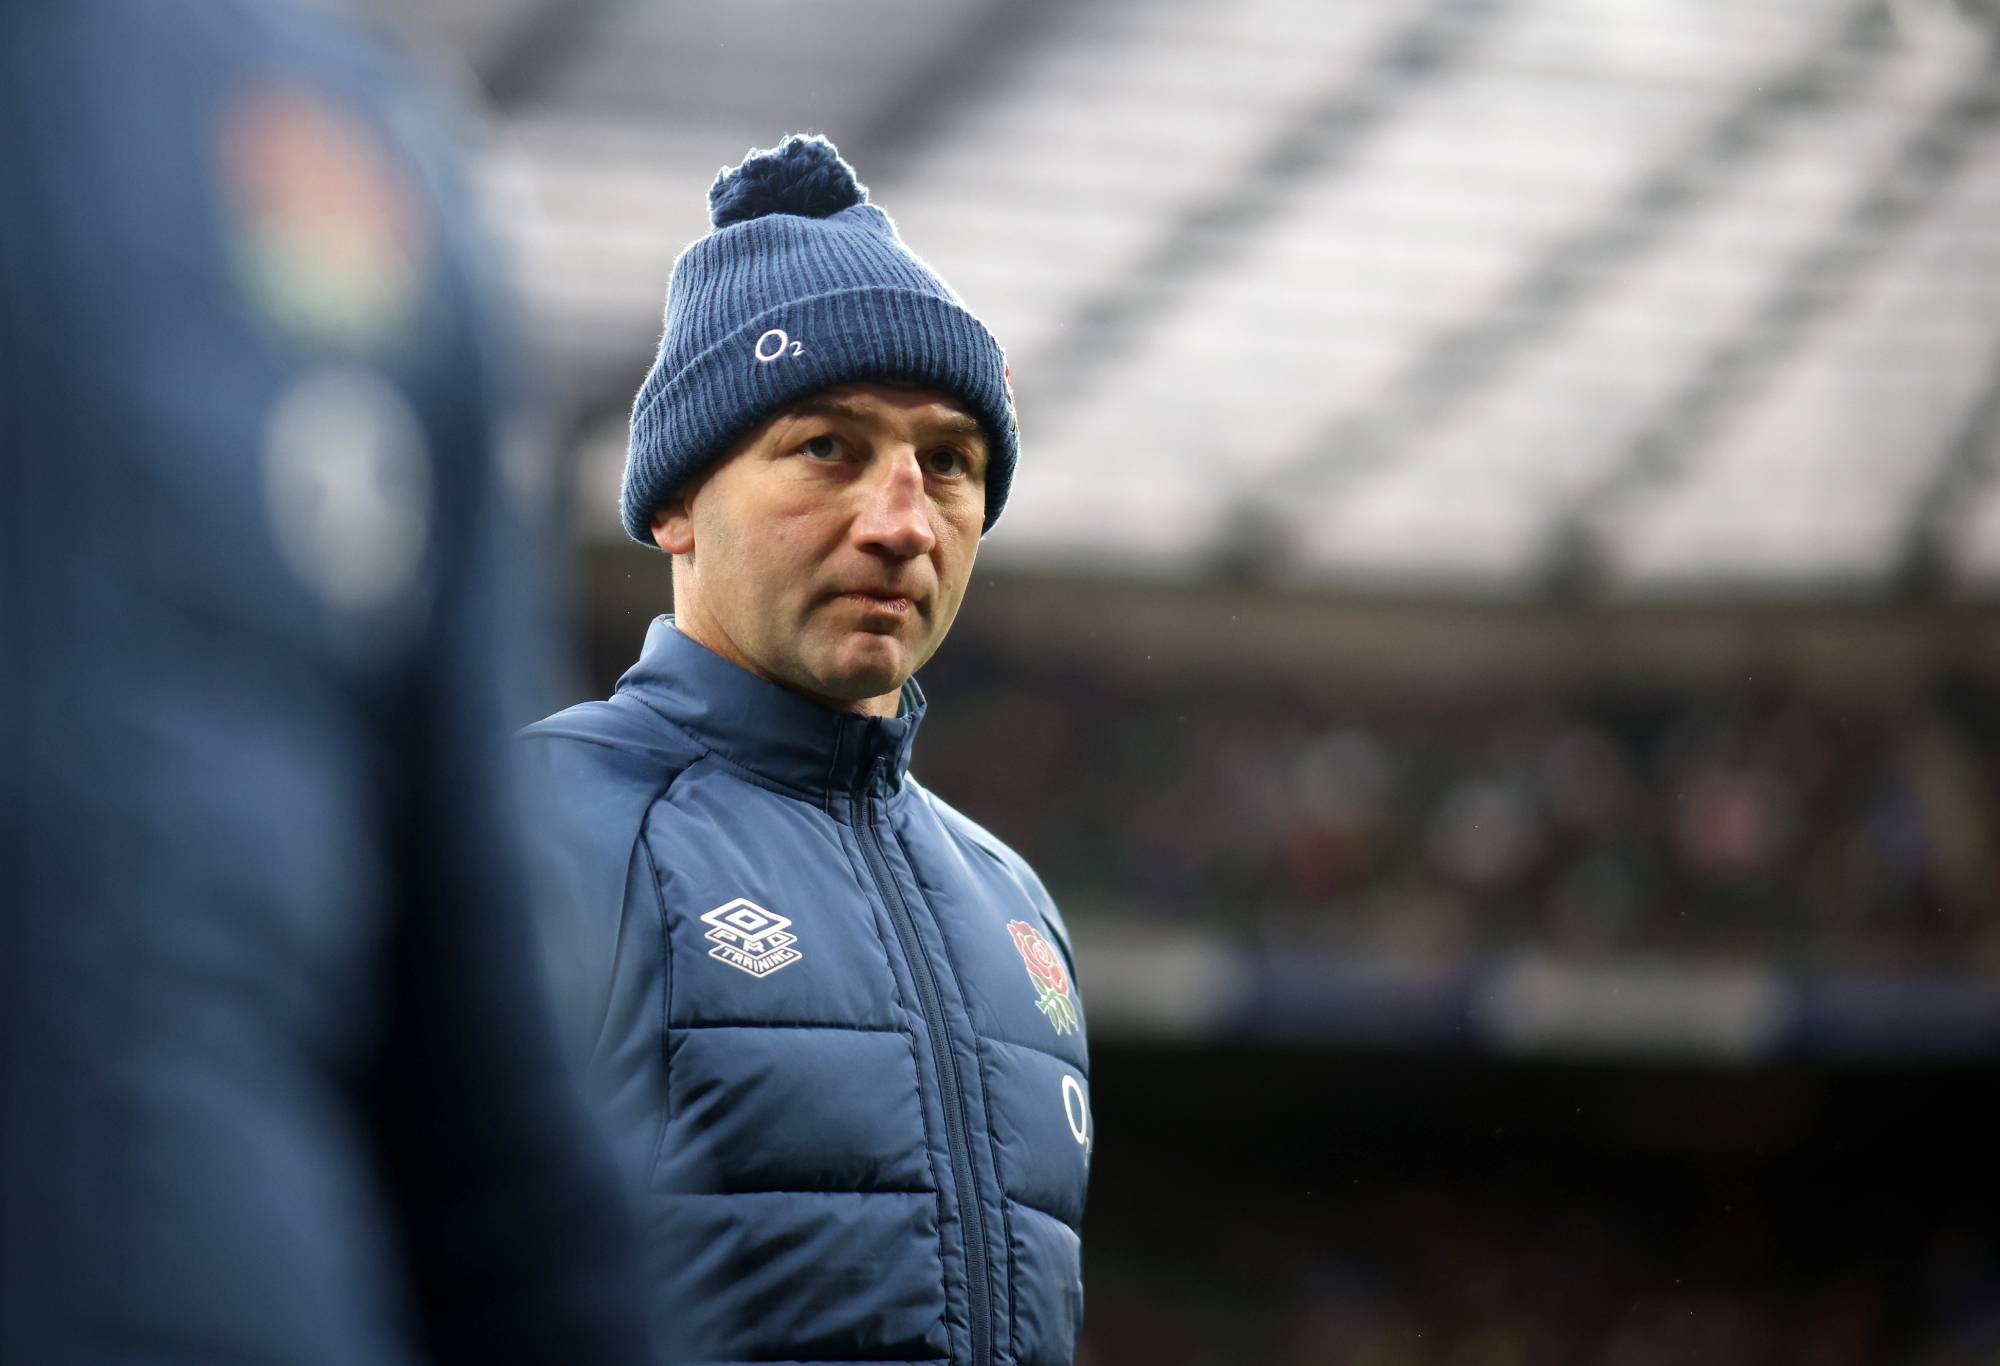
821 448
949 461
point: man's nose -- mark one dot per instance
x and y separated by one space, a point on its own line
895 514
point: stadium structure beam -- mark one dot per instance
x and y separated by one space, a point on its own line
1971 462
981 56
521 65
1810 292
1469 358
1225 224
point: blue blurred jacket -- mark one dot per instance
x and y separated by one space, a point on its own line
858 1117
277 1082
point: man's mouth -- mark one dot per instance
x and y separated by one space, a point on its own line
880 602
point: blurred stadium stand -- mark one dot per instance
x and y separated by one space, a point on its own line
1493 641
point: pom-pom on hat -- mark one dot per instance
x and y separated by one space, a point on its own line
801 285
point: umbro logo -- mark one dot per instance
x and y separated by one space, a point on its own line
750 938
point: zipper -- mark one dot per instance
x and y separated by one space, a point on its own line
960 1139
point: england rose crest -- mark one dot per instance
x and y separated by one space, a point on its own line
1045 970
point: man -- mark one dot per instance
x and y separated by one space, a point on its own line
277 1083
834 1023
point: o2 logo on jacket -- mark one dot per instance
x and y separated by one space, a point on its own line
1076 1110
1045 970
750 938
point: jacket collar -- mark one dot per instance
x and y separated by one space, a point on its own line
774 733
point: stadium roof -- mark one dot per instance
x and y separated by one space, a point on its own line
1645 298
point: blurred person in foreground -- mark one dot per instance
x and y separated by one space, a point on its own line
833 1022
278 1084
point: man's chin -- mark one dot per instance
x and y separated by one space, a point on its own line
864 664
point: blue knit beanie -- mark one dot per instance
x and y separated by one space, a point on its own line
801 286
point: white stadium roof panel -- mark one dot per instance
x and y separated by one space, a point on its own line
1707 539
1433 285
1838 453
1433 529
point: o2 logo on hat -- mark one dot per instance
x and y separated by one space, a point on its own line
775 345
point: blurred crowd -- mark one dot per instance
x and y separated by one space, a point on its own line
1435 1275
1763 823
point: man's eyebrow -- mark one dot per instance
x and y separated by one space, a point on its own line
954 423
825 407
962 424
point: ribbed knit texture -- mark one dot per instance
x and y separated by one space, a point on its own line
791 296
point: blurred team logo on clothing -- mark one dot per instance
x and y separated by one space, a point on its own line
348 490
329 240
750 938
1045 970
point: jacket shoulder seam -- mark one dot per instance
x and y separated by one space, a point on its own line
575 736
741 771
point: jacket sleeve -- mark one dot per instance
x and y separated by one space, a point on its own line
592 777
592 885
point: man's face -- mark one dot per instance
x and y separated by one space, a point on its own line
829 550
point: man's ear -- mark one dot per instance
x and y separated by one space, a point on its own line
673 528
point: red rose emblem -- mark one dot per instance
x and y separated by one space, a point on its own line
1045 970
1043 965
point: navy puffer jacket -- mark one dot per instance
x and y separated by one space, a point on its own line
833 1024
